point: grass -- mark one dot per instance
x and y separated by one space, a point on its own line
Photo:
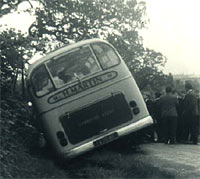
113 161
120 159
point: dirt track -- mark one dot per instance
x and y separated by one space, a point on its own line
151 160
181 160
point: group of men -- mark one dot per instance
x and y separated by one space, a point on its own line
176 119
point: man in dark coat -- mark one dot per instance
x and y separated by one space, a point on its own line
191 115
180 124
168 105
157 117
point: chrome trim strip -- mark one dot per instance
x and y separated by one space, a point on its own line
133 127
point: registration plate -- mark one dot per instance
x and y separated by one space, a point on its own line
106 139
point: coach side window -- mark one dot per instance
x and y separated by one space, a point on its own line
106 55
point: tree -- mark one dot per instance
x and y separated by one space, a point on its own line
15 51
81 19
149 69
145 64
7 6
118 21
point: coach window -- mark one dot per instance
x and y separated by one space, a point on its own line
106 55
41 82
73 66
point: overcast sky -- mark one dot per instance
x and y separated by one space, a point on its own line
174 30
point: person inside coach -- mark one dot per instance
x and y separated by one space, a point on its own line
64 76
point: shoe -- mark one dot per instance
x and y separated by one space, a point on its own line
182 142
161 141
166 141
194 142
172 142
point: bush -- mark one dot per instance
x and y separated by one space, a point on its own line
17 135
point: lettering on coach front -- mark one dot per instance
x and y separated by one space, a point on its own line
82 86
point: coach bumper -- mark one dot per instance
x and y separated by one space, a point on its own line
133 127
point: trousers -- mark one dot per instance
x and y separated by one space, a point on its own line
169 128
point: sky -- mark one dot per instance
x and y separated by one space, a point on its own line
174 30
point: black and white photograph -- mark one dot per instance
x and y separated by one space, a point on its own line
99 89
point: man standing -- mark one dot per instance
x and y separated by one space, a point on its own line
180 124
157 117
168 106
191 115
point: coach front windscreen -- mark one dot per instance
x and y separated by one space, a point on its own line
72 66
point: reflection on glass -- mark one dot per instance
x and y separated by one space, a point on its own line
72 66
106 55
